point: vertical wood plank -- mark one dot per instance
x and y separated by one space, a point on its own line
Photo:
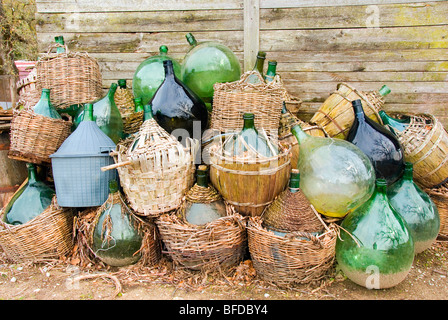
251 32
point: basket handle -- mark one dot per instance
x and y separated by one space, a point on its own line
246 75
57 45
116 165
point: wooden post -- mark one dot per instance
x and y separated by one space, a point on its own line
251 32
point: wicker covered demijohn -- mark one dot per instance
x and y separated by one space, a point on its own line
77 174
336 114
249 169
37 132
155 170
205 232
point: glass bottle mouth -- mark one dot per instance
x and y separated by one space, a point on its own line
380 182
248 116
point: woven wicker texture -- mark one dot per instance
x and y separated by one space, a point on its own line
133 122
72 77
425 144
232 99
124 99
27 90
155 169
336 114
34 137
439 196
252 182
291 211
48 236
218 244
289 260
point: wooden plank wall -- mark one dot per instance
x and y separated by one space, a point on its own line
317 43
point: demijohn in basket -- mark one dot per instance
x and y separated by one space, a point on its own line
73 77
439 195
232 99
336 114
47 236
155 170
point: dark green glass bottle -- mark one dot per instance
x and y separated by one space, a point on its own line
207 63
116 241
138 105
248 140
416 208
375 248
44 107
258 67
395 125
60 40
106 115
29 201
150 74
202 211
271 72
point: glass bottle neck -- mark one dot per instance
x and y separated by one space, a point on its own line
294 181
384 91
169 70
122 83
249 122
358 110
138 105
88 112
272 69
32 173
298 132
408 172
112 89
148 112
45 96
201 177
191 39
259 63
113 186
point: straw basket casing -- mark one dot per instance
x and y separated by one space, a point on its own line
249 185
336 114
34 137
439 196
425 144
27 91
232 99
286 261
220 243
47 236
72 77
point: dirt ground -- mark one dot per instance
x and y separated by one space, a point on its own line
58 280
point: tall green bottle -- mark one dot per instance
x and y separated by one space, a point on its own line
207 63
29 201
150 74
394 124
44 107
258 67
416 208
271 72
375 248
116 241
106 115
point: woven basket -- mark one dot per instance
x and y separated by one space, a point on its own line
439 196
155 170
133 122
249 184
290 260
151 249
48 236
72 77
287 121
124 99
218 244
425 144
27 90
232 99
336 114
35 137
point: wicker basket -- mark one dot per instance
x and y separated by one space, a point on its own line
48 236
425 144
232 99
439 196
72 77
336 114
155 170
132 121
287 121
250 184
219 244
34 137
27 90
289 260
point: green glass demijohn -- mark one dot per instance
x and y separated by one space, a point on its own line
335 175
116 241
416 208
29 201
396 125
44 107
207 63
249 141
204 206
106 115
150 74
375 248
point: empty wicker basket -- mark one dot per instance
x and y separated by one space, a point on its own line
439 196
47 236
296 258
